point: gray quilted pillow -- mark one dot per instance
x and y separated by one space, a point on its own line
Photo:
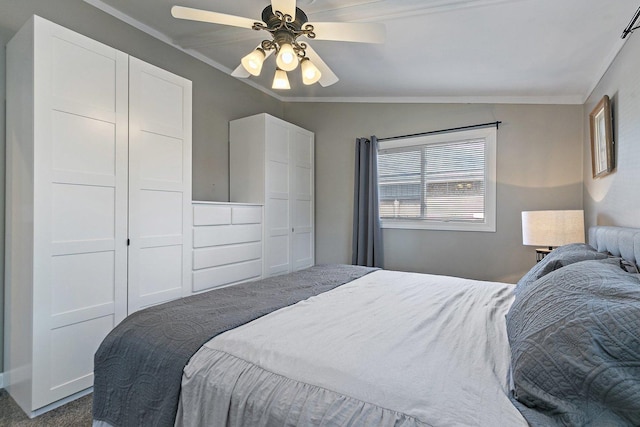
558 258
575 347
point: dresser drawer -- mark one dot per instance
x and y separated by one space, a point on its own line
216 256
225 275
226 235
211 215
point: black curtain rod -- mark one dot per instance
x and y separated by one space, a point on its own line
630 28
481 125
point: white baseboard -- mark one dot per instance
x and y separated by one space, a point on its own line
60 402
1 380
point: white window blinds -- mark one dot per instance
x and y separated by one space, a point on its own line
442 179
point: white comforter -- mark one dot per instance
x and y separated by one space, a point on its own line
390 348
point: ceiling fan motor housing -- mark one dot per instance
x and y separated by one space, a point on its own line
276 24
285 30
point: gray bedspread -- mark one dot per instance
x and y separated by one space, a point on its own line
138 367
575 342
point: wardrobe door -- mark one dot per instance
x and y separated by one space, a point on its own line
277 210
80 205
159 185
302 221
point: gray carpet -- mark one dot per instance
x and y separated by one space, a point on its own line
76 413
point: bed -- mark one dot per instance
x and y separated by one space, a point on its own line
345 345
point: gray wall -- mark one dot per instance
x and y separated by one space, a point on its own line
539 167
613 199
217 97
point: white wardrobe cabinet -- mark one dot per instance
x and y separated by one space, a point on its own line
98 218
271 162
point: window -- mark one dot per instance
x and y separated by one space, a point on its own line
444 181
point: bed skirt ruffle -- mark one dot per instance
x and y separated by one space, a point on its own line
260 398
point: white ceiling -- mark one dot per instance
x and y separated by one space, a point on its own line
525 51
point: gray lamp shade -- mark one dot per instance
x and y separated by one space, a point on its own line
552 228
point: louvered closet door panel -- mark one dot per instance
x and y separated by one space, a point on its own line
80 206
277 201
302 199
159 185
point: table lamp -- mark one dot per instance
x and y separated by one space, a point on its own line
552 229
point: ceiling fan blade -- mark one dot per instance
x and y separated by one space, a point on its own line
328 77
349 31
288 7
241 73
191 14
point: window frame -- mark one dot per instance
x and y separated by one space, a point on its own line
490 136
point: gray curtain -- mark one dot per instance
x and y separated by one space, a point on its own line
367 235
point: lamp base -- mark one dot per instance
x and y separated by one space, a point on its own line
542 252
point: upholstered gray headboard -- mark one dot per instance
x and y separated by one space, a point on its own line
619 241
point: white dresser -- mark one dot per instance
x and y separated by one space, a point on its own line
227 244
98 204
272 162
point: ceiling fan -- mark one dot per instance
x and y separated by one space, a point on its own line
286 23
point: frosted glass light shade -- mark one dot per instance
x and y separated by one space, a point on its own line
552 228
280 80
287 59
310 73
253 62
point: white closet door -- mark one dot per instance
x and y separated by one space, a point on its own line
80 196
301 148
277 221
159 185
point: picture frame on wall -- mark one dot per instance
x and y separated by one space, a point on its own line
601 129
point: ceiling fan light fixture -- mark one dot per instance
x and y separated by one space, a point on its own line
310 73
286 23
280 80
253 62
287 59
